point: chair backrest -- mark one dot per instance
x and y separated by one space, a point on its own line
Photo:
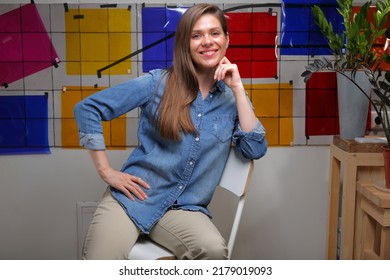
236 174
235 178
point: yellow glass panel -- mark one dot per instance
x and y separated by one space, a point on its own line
72 24
273 105
90 68
72 46
69 133
93 43
73 68
118 135
266 102
69 99
271 126
120 69
120 47
286 100
271 100
119 20
248 89
95 20
73 55
94 47
286 131
107 133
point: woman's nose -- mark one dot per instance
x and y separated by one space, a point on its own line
206 40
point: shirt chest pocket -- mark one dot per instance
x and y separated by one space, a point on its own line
221 126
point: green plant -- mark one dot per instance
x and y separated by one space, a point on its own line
353 46
353 50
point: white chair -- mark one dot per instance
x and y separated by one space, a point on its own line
235 178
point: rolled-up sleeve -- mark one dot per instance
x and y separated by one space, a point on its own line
109 104
252 144
92 141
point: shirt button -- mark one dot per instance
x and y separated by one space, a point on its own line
180 187
197 139
199 115
211 96
191 162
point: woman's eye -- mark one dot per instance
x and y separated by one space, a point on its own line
195 36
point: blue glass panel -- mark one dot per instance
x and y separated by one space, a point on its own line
156 56
12 133
24 125
309 2
37 133
153 19
299 33
158 23
173 17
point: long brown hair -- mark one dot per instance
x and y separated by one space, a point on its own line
173 111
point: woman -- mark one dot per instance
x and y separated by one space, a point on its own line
190 114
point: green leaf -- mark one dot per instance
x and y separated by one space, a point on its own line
386 58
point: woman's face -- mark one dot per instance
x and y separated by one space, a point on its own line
208 43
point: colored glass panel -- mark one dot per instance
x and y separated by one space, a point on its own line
114 131
253 51
95 38
157 24
252 45
271 126
299 34
24 125
321 105
286 133
26 47
273 105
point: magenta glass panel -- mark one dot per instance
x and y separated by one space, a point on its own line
25 45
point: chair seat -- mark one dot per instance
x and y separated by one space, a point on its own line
146 249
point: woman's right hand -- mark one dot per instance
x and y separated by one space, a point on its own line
128 184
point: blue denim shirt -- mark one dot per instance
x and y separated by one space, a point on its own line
182 174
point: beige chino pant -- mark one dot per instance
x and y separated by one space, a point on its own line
188 234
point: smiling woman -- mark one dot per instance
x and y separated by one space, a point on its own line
208 43
195 108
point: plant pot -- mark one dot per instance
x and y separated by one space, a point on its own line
386 157
353 104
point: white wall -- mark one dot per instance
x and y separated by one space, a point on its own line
284 218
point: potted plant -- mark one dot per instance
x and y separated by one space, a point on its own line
353 51
354 54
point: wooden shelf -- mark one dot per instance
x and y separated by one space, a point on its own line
350 162
351 146
372 231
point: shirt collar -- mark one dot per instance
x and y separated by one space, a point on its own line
219 86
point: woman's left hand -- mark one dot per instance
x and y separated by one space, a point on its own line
229 73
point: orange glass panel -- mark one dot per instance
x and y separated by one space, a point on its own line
114 131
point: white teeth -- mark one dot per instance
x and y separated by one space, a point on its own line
210 52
